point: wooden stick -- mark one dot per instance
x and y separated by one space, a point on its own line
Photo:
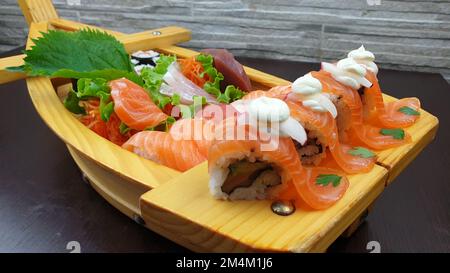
36 11
7 76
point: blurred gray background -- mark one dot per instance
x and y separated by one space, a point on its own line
403 34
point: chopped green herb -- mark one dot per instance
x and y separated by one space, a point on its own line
327 179
361 152
408 111
395 133
72 103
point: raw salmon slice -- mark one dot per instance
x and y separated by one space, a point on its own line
133 105
387 115
162 148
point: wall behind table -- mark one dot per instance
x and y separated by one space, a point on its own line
404 34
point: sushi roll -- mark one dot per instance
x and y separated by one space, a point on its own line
148 57
343 91
322 133
243 170
398 114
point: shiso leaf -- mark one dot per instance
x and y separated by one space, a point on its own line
85 53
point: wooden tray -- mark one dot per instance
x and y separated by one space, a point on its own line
178 205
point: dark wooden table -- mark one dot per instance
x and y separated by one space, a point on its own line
44 203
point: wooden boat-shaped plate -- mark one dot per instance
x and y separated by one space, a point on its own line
178 205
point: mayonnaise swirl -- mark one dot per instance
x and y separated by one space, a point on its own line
306 85
276 113
308 89
348 72
269 109
364 58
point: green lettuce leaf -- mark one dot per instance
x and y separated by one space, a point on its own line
123 128
189 111
97 88
231 92
153 78
71 102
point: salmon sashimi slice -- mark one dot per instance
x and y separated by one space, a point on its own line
298 183
133 105
161 148
350 121
324 125
200 131
387 115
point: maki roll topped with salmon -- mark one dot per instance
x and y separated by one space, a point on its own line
265 164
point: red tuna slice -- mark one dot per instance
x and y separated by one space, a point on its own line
231 69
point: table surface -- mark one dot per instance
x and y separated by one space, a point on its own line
44 203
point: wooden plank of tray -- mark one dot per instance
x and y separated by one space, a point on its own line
184 211
422 133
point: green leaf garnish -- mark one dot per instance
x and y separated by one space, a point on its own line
408 111
327 179
71 102
395 133
163 126
361 152
189 111
106 110
85 53
123 128
153 78
176 99
231 92
97 88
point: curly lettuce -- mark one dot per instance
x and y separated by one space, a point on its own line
231 92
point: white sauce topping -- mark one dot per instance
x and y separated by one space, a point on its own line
364 58
308 89
276 112
348 72
306 85
269 109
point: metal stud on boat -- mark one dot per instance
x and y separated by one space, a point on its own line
283 208
156 33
